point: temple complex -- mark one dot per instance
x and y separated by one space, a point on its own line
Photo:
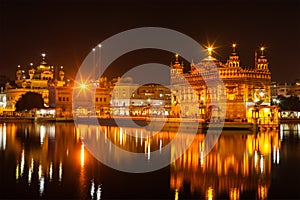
244 87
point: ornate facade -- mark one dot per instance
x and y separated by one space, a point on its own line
243 87
36 79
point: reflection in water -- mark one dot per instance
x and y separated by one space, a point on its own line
238 163
2 136
50 161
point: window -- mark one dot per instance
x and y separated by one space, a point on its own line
100 99
96 99
59 98
104 99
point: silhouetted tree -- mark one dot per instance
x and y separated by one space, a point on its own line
29 101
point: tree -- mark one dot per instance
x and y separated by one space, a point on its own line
29 101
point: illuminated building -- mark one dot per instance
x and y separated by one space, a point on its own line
121 94
132 99
150 99
285 90
92 97
36 79
243 87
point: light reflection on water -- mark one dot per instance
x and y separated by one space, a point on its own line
49 160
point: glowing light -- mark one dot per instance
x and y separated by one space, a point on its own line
83 86
99 45
261 164
149 152
209 49
255 158
201 158
94 49
60 172
262 192
30 172
3 138
43 55
210 193
98 193
29 176
82 155
17 172
233 45
261 94
42 186
22 162
42 133
160 145
234 193
262 48
92 189
40 171
50 172
176 195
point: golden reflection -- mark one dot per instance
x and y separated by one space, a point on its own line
82 155
50 172
2 136
22 162
234 194
17 172
262 192
210 193
176 195
60 172
232 167
228 167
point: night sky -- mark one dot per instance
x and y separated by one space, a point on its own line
67 30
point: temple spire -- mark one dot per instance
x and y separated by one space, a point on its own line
233 60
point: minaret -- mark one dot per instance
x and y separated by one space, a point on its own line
61 73
262 62
31 71
233 60
19 73
176 68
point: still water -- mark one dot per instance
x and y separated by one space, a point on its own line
49 160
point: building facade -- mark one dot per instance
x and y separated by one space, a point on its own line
243 87
285 90
35 79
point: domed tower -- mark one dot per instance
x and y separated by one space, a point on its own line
233 60
176 68
19 73
43 66
61 73
262 63
31 71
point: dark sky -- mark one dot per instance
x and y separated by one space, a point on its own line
67 30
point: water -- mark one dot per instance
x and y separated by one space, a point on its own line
48 160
